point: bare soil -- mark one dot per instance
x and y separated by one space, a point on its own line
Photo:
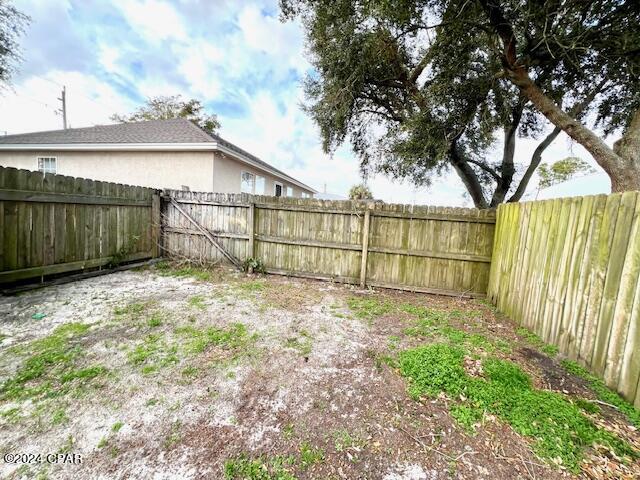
313 376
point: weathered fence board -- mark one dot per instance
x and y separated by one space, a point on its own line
431 249
53 224
569 269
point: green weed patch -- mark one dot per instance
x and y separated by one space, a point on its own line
50 367
198 340
535 341
153 353
437 323
603 392
165 269
368 308
244 468
560 431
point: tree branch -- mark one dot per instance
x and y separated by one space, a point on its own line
536 158
607 158
486 168
577 110
418 69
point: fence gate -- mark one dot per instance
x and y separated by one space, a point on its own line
424 249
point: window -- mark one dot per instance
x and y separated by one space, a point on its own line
250 183
247 182
289 192
47 165
260 184
305 195
277 189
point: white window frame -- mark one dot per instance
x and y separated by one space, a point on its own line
289 191
305 195
282 191
43 169
253 182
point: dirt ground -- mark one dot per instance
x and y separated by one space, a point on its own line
189 374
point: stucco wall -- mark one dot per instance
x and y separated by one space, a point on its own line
227 172
148 169
200 171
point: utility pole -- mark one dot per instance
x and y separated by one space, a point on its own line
63 99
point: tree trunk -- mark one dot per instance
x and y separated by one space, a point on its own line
628 147
508 169
468 177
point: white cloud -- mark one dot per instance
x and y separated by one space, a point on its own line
283 41
197 63
154 19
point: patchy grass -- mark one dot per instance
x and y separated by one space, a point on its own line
244 468
252 286
115 428
153 354
196 340
167 270
11 415
368 308
535 341
310 455
603 392
303 343
197 301
174 435
156 351
155 320
431 323
51 367
560 431
344 440
278 467
134 309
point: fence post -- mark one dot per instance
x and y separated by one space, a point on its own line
155 225
251 228
365 247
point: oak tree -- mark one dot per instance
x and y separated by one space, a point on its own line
167 107
420 87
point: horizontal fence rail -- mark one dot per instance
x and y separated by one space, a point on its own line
569 269
54 224
427 249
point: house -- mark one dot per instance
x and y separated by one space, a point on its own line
174 154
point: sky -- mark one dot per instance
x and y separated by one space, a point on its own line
236 56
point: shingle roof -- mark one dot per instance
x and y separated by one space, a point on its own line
176 130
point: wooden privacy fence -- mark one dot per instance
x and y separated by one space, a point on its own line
424 249
52 224
569 269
